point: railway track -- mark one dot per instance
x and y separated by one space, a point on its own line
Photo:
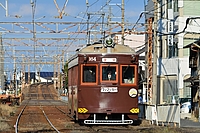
41 111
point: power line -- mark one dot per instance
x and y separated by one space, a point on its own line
87 12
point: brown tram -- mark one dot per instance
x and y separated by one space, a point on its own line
103 84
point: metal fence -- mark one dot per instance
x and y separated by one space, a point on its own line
163 114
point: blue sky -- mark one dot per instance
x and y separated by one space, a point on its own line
75 10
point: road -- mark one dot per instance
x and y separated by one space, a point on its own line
189 123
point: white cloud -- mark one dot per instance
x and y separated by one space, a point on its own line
23 10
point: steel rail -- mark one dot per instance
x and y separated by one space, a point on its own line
46 117
18 118
49 120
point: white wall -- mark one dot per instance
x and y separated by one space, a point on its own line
174 66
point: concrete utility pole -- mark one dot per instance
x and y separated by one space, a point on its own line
154 95
122 22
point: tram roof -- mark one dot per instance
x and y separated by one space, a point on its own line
99 48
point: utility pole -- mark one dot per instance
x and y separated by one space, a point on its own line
15 76
149 63
154 95
122 22
2 79
34 36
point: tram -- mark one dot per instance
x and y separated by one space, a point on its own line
103 84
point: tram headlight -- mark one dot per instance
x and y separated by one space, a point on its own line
132 92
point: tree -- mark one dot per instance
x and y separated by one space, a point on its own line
65 76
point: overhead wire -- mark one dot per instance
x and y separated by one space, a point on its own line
77 28
84 17
186 22
186 25
142 13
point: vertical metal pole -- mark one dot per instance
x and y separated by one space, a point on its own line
54 75
14 81
122 24
154 95
2 64
29 75
88 32
23 73
199 81
34 36
6 8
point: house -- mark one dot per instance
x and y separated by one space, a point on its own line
194 80
177 26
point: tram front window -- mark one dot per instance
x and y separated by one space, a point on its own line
108 73
89 74
128 74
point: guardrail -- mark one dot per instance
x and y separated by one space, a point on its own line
169 114
163 114
151 113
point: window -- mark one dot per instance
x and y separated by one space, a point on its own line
109 72
169 4
173 50
175 5
89 74
128 74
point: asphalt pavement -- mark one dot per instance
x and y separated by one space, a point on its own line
187 121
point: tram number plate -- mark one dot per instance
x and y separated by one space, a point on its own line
109 89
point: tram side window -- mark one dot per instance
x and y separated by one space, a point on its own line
89 74
128 74
108 73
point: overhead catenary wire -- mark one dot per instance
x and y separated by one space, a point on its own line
186 25
142 13
87 5
161 33
86 12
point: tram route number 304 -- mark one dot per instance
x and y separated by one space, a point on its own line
109 89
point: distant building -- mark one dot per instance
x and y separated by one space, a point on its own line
135 41
39 77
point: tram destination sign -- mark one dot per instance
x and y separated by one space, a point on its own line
109 59
109 89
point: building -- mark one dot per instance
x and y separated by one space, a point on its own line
135 41
39 77
178 24
194 79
